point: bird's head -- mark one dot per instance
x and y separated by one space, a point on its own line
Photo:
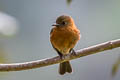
64 21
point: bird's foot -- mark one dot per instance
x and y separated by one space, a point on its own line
62 57
73 52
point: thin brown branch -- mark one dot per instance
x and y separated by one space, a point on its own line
50 61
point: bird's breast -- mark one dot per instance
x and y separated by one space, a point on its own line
63 39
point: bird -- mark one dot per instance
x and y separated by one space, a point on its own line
63 36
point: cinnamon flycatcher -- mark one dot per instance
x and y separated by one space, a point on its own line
63 36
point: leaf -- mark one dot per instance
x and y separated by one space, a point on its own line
69 2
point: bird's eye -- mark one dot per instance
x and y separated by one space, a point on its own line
63 23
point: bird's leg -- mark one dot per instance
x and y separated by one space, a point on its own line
73 52
60 54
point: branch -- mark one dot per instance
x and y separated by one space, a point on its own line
50 61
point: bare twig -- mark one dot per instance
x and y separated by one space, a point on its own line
50 61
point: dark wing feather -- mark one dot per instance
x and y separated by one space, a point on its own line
59 53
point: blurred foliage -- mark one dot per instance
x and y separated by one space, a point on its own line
2 55
3 59
116 67
68 2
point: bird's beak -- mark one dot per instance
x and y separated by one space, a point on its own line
55 24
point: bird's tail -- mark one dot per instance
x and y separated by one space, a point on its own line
65 67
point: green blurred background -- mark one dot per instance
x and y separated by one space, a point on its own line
98 21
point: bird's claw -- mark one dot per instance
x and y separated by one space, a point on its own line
62 57
73 52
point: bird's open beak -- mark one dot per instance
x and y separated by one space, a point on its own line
55 25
